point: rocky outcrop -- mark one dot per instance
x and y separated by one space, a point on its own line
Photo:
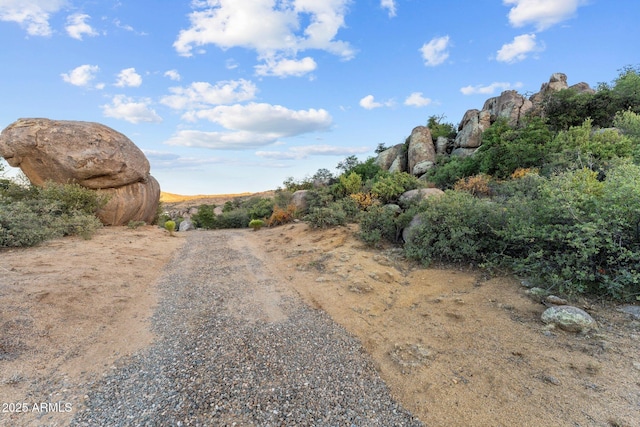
418 195
421 155
418 156
299 200
90 154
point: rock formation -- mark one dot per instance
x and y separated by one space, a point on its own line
90 154
419 154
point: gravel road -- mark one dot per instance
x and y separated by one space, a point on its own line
236 347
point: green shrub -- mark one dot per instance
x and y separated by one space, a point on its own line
325 217
456 227
259 207
351 183
237 218
450 169
73 197
170 226
205 217
23 224
256 224
378 223
389 186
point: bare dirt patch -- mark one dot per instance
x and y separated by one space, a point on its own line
70 309
455 348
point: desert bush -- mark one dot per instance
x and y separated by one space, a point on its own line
237 218
449 169
477 185
281 216
256 224
258 207
455 227
135 224
389 186
351 183
73 197
170 226
325 217
364 201
205 217
23 224
379 223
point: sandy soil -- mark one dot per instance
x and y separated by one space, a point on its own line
455 348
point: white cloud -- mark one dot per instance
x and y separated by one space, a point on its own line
518 49
542 13
369 103
221 140
167 160
266 119
390 5
302 152
286 67
33 15
82 75
489 89
126 108
417 100
77 26
203 94
435 52
129 78
173 75
272 29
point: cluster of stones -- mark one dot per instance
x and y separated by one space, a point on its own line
89 154
421 153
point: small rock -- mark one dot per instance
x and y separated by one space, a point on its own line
633 310
636 365
552 299
569 318
537 292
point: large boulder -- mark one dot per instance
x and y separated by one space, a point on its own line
90 154
470 130
299 200
387 157
421 150
509 105
133 202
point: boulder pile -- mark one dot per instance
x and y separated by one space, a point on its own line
419 154
90 154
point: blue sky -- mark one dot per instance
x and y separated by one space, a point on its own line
227 96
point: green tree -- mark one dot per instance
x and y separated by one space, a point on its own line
438 128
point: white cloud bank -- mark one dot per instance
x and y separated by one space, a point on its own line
32 15
275 30
126 108
249 126
541 13
435 52
77 26
369 103
202 94
519 49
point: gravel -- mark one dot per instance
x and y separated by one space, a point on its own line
222 357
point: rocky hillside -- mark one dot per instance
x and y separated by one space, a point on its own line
419 155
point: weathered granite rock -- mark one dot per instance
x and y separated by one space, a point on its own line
421 149
442 145
133 202
186 225
299 200
93 155
569 318
473 124
509 105
386 158
90 154
417 195
408 231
